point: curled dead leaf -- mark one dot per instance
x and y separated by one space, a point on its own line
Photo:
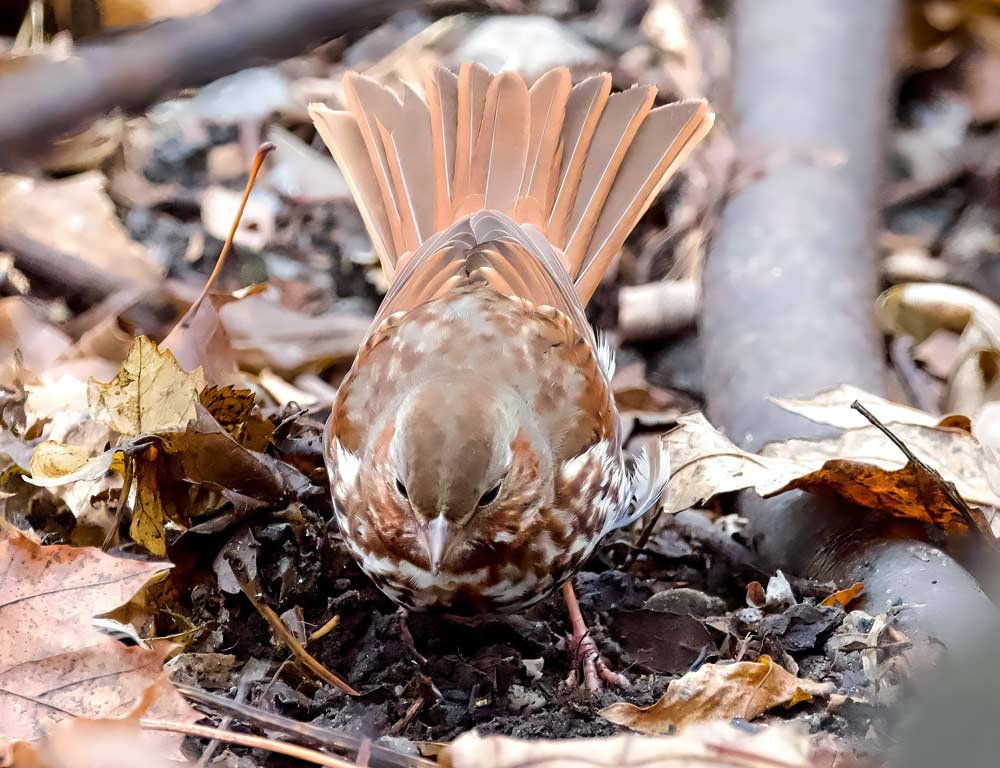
745 690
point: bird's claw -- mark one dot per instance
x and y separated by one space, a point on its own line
596 673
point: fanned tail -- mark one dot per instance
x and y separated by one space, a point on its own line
577 166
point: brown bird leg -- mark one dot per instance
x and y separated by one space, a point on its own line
586 654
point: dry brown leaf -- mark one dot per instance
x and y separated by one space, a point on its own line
705 463
745 690
54 663
129 12
861 465
265 334
920 310
76 217
844 597
83 742
715 744
150 393
200 341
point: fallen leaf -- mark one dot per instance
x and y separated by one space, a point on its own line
920 310
54 663
705 463
801 627
132 12
265 334
745 690
54 464
200 341
151 393
642 632
861 465
109 742
833 407
872 472
40 343
75 216
713 745
844 597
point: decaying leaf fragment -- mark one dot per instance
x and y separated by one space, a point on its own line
702 746
54 663
844 597
151 393
745 689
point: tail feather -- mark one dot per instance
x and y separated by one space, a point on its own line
473 83
572 169
341 134
583 110
441 89
547 111
368 101
618 125
406 137
647 166
501 148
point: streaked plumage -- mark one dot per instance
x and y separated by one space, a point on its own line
474 448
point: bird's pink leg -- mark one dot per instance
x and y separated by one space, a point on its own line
586 655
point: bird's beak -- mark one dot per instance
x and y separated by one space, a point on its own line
437 539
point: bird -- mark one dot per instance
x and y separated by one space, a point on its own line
474 448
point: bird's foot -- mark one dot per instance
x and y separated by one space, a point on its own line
587 659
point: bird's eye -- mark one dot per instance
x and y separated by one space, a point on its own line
490 496
401 489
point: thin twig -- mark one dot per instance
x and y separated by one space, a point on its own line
258 160
246 740
327 738
296 647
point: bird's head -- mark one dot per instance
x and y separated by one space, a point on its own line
462 462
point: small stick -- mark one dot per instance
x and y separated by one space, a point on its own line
258 161
327 738
247 740
122 502
296 647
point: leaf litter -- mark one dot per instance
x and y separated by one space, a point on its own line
202 460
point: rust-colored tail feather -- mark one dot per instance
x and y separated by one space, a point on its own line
574 167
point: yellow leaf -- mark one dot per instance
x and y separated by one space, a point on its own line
150 393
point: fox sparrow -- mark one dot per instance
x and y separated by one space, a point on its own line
474 449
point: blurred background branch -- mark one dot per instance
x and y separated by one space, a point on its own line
132 70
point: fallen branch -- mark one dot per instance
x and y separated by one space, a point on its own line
133 70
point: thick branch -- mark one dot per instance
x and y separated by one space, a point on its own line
136 69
